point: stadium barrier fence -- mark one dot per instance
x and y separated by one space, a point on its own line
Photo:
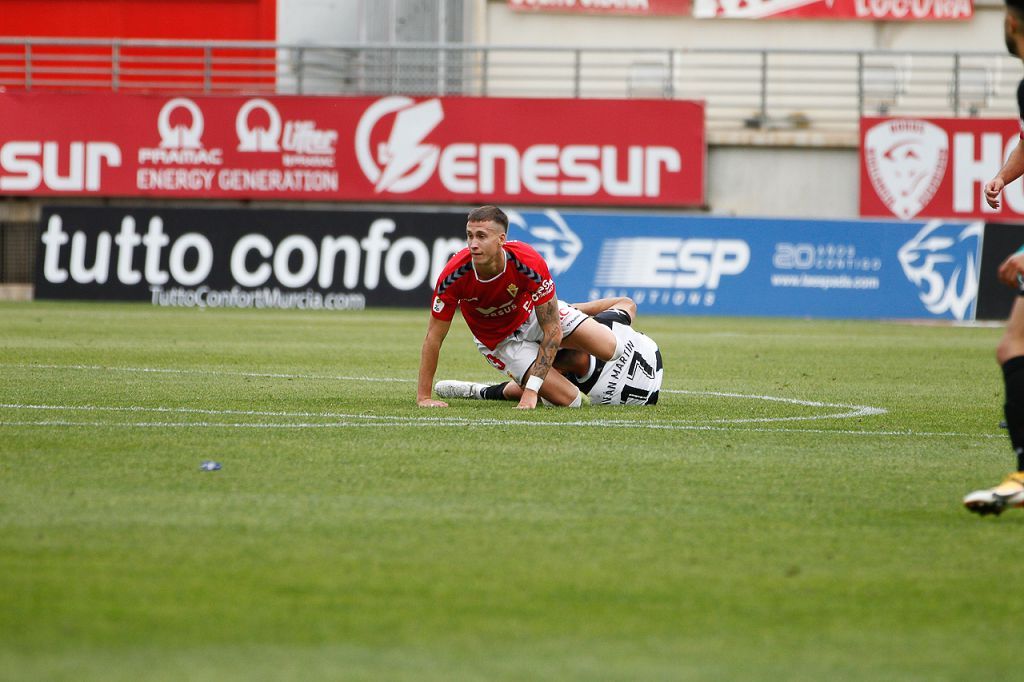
824 91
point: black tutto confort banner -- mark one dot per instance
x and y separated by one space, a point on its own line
238 258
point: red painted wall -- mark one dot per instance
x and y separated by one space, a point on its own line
169 19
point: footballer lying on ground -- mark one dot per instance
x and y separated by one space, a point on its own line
507 298
634 378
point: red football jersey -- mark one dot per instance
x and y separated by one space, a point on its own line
493 308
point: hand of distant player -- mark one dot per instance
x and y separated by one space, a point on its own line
430 402
992 189
1011 269
528 401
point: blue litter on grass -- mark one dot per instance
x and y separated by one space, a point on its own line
210 466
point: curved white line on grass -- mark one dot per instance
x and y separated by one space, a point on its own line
854 410
860 411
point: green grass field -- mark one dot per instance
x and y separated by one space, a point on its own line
352 535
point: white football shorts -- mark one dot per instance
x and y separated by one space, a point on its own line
518 352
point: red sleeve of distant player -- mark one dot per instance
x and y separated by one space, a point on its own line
448 283
544 290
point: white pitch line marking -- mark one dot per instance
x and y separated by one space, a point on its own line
207 372
853 411
415 422
364 420
863 410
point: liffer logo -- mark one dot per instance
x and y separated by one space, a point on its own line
942 262
256 139
551 237
402 164
180 136
906 161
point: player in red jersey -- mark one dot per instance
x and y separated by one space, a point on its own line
507 297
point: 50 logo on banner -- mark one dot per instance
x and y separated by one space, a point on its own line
474 150
936 167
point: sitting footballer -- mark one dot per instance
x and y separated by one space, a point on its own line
634 378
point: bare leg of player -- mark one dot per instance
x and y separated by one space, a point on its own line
1012 343
557 390
1010 355
594 338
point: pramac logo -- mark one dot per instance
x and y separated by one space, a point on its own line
181 141
906 162
256 139
942 261
402 164
180 136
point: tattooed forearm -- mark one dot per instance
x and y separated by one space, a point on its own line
547 317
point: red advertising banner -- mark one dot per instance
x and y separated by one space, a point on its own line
461 149
169 19
870 10
642 7
936 168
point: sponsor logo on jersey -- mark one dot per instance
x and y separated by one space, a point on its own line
942 262
906 161
499 311
438 304
546 287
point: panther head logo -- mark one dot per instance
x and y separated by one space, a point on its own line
552 239
906 161
942 262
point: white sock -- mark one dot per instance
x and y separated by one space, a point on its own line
579 399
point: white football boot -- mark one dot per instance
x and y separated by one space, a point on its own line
1009 493
459 389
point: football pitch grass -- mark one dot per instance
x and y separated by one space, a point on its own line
766 521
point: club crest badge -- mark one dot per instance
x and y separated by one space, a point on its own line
512 290
906 161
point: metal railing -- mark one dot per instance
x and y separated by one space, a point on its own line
817 90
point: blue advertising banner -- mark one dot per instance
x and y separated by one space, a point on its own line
697 265
669 264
